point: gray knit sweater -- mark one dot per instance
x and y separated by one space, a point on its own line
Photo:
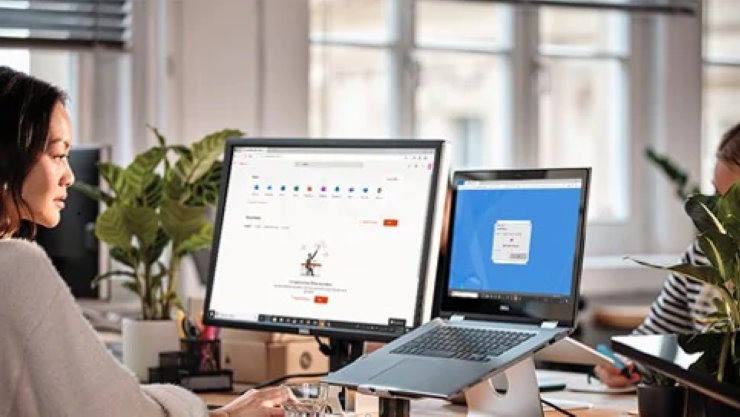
51 361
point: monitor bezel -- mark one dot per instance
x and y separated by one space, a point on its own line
338 333
701 382
511 310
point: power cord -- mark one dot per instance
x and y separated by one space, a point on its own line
324 347
556 408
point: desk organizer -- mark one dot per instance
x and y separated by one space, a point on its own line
196 367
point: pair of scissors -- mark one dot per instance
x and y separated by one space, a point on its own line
191 330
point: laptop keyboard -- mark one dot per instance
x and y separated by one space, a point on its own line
463 343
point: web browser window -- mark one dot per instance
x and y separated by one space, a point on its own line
323 237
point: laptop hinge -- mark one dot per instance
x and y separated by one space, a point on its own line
549 324
457 317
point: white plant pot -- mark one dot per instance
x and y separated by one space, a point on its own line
143 340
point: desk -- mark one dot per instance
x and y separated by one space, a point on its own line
605 405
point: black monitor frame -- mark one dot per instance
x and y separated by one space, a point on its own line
641 348
518 309
72 245
348 332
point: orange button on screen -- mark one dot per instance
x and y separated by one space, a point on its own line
321 299
390 222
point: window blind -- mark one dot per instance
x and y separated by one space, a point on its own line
65 23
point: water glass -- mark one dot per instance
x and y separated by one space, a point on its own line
310 399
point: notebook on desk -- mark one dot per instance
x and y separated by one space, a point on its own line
509 288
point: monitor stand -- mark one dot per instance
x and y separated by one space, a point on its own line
522 397
343 352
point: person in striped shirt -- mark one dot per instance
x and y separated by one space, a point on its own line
683 302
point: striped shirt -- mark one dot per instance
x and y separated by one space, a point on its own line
682 303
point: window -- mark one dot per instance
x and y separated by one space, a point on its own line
721 78
507 85
583 101
54 66
462 56
349 93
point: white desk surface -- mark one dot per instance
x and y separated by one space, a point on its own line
603 404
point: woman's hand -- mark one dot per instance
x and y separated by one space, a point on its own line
613 377
255 403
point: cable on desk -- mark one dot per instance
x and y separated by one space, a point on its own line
555 407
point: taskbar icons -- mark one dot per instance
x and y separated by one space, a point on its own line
508 297
394 325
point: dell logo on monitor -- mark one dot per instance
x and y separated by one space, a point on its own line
503 307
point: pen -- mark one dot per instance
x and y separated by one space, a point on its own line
623 369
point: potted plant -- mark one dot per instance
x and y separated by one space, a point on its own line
658 395
155 214
717 220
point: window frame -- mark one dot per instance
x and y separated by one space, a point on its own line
606 237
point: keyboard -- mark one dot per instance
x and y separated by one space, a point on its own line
463 343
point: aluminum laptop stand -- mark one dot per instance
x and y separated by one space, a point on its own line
522 397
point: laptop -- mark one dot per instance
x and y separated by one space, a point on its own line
509 285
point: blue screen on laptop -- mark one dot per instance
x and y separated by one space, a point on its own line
515 237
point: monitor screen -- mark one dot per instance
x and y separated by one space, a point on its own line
72 246
516 240
325 237
517 259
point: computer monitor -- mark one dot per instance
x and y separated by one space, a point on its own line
72 246
325 237
696 362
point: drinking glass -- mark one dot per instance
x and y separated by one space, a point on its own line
310 399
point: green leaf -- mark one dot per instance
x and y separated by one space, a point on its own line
720 307
142 222
204 153
721 251
131 286
160 137
124 256
205 190
196 242
141 170
92 192
728 209
154 251
703 273
115 176
700 208
174 186
181 150
110 227
674 173
153 192
110 274
181 221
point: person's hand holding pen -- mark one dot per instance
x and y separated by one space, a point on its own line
618 375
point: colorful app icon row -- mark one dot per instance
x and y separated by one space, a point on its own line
310 189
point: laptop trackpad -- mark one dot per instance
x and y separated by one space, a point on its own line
412 373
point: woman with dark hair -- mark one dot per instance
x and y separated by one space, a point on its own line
51 361
683 303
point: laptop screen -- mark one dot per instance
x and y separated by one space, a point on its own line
515 246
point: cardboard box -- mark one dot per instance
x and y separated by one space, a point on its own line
257 356
255 361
